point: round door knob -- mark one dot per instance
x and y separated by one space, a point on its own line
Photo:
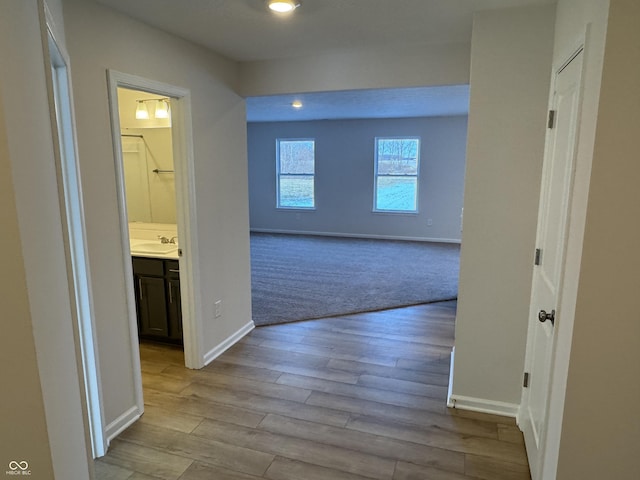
543 316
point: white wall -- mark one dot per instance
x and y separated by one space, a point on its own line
101 39
35 269
345 177
414 66
21 403
510 74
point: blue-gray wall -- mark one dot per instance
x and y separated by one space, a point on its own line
345 175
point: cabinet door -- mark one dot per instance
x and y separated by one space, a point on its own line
175 309
152 306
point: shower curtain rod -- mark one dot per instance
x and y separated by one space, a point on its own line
155 170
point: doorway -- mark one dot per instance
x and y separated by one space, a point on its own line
170 223
148 168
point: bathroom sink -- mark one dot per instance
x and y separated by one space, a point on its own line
153 247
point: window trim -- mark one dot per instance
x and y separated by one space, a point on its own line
278 174
376 175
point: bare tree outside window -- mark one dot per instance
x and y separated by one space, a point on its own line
296 173
396 174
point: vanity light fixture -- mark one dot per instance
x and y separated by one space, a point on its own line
296 104
161 108
142 113
283 6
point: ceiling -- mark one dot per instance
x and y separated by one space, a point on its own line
244 31
387 103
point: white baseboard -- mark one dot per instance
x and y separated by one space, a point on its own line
478 404
219 349
450 403
356 235
121 423
485 406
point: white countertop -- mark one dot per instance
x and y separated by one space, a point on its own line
153 249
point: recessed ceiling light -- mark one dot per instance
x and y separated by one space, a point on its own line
297 104
283 6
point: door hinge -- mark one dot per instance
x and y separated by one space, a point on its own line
538 257
525 382
551 121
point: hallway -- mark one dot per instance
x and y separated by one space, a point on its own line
353 397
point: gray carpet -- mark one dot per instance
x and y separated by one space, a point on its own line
296 277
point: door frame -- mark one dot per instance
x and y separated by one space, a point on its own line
63 123
561 342
181 130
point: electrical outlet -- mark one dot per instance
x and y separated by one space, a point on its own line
429 222
217 307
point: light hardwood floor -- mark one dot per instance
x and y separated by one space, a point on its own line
345 398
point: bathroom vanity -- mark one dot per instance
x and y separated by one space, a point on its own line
157 287
156 279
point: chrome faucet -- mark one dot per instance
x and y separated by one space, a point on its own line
165 240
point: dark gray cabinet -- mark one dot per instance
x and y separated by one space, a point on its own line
174 307
159 310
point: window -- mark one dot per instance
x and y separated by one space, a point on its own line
396 174
296 173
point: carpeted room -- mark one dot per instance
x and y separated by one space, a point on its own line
302 277
340 252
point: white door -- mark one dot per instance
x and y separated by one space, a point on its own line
75 240
557 180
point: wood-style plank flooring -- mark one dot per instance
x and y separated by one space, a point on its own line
347 398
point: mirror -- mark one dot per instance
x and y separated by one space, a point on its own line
147 155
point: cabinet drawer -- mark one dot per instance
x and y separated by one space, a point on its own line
172 268
147 266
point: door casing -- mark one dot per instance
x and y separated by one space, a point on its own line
186 219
